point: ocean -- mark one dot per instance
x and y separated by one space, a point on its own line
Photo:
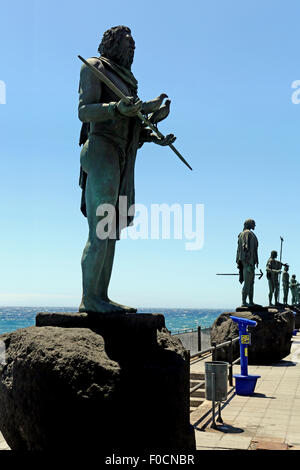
177 319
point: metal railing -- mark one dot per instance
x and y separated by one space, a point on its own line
193 338
205 353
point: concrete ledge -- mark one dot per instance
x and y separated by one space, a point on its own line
124 333
88 320
65 319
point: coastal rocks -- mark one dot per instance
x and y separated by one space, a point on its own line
60 389
270 339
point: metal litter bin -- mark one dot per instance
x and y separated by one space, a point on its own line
216 380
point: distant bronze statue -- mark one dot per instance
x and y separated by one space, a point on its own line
111 134
294 286
273 271
247 259
285 284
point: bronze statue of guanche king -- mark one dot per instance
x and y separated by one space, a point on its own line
111 134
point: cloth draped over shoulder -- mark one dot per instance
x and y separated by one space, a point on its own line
247 248
127 176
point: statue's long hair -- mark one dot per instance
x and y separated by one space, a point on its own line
109 45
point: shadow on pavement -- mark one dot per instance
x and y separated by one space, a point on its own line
261 395
228 429
284 364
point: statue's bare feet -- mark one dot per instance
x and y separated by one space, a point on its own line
100 306
123 307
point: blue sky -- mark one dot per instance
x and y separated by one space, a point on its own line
228 68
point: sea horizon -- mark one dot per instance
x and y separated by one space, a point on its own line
176 319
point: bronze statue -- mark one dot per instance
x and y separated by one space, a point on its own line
294 290
247 259
285 284
111 135
273 271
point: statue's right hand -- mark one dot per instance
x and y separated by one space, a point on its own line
129 110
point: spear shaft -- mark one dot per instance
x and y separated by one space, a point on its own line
260 274
121 95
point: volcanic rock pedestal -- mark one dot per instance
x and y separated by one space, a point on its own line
95 382
270 339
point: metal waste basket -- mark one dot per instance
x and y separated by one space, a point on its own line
216 380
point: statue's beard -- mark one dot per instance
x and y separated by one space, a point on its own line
122 59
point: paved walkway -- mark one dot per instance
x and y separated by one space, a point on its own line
270 419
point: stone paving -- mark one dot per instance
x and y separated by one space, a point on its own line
270 419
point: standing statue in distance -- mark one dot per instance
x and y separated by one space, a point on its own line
247 259
294 290
285 284
111 134
273 270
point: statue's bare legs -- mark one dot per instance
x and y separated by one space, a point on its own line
106 275
273 289
93 260
98 258
248 273
102 187
285 294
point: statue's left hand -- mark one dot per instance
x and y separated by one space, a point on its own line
169 139
129 110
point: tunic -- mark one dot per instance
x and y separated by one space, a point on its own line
123 133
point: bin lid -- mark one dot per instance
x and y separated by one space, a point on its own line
217 362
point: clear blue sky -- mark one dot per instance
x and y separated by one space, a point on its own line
228 69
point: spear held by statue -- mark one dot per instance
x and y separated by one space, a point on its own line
121 95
